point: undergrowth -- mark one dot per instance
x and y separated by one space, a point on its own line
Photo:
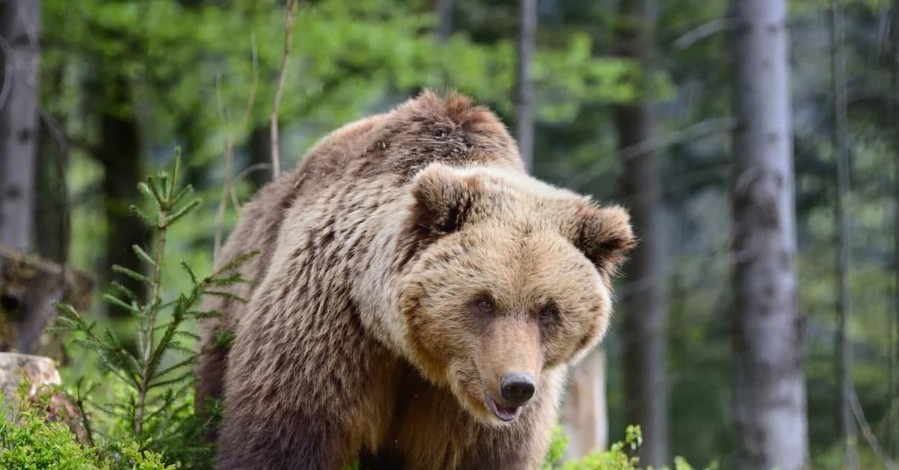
147 396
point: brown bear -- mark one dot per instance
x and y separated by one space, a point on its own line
419 300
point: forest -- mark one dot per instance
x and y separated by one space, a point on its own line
754 142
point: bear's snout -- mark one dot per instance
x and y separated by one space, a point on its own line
517 388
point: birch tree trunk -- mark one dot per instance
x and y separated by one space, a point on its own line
770 405
843 305
524 90
19 25
643 302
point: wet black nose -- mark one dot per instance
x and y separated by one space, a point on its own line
517 388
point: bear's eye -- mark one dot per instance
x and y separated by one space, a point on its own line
484 304
548 313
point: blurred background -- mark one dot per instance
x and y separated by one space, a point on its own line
631 101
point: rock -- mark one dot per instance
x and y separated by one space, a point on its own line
37 370
40 372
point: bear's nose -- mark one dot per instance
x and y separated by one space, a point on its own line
517 388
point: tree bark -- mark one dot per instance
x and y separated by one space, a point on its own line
894 351
524 89
260 149
843 258
770 405
444 9
643 303
28 288
52 224
19 29
119 152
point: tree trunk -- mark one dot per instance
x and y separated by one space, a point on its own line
770 405
119 153
524 89
643 304
19 28
444 10
843 305
52 224
260 148
28 288
894 343
584 412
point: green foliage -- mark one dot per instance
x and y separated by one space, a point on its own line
348 56
557 446
30 439
620 456
150 400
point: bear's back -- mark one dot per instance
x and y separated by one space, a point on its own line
400 143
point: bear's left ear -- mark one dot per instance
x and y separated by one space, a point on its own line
443 200
604 235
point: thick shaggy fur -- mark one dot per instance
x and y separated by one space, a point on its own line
405 267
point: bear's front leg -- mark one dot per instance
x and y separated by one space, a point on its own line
305 389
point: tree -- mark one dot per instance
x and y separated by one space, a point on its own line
524 89
841 147
118 149
643 304
19 26
770 388
444 10
894 334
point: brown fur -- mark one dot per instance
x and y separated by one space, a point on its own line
364 337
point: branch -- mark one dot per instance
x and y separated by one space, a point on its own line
228 187
701 32
696 131
290 11
251 169
869 434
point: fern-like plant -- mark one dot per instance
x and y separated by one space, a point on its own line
154 403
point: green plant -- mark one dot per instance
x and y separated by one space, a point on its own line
151 403
31 438
620 456
557 447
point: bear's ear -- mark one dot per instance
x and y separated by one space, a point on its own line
443 200
604 235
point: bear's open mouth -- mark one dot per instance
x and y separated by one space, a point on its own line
505 413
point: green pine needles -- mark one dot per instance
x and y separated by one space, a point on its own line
153 404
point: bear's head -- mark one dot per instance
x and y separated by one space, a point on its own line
506 279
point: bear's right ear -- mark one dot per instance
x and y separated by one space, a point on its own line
443 200
604 235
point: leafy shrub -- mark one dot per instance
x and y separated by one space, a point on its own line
30 439
620 456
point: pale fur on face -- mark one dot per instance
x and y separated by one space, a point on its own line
521 244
